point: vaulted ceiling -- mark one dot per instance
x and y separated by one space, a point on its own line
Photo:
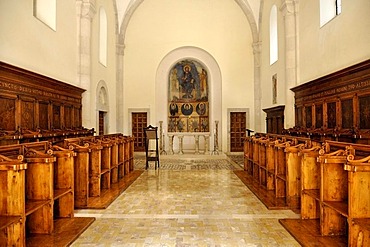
251 9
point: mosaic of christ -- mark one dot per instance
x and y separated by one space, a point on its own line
188 81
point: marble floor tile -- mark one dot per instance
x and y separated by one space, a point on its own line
205 205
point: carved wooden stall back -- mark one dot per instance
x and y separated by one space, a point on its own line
275 119
335 106
34 107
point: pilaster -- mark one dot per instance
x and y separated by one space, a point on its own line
257 86
120 47
289 9
85 13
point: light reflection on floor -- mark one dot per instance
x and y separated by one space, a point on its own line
191 202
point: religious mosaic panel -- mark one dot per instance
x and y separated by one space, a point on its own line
188 105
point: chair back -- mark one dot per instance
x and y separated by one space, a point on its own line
150 132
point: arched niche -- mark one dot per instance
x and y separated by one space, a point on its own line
214 85
102 107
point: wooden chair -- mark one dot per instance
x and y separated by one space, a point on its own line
151 145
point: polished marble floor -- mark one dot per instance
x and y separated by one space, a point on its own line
187 202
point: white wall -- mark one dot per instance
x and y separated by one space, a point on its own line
159 27
103 73
28 43
343 41
267 70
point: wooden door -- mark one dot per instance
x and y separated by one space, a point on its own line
101 122
237 131
139 121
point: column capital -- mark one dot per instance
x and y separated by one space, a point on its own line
88 9
289 7
120 49
257 47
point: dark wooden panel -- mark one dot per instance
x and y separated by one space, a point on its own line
344 96
298 116
56 117
101 123
308 116
347 113
275 119
364 112
77 116
68 117
43 115
7 113
332 115
28 114
318 116
33 106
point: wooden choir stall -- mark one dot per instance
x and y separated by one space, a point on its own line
321 167
50 164
104 168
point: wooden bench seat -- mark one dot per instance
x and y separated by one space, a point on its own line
335 194
39 178
272 167
100 163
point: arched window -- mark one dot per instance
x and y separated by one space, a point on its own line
46 11
329 9
273 35
103 36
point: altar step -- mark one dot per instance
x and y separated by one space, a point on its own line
188 155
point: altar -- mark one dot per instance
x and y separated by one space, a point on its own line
195 136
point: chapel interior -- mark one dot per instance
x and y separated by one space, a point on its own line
185 123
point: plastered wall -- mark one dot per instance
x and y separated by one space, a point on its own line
159 27
27 42
342 42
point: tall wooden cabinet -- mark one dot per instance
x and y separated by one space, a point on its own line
274 119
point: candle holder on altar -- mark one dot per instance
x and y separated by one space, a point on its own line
161 139
215 142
